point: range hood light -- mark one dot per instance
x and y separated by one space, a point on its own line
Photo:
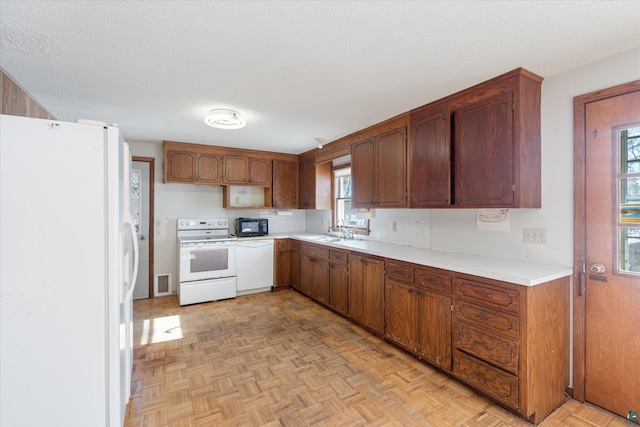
224 119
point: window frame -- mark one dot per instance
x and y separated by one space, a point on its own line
361 230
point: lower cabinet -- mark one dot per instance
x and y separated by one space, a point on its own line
338 280
509 342
366 291
417 317
314 271
282 264
294 257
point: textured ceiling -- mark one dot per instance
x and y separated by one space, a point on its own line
295 70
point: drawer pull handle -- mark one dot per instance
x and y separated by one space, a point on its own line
483 318
488 347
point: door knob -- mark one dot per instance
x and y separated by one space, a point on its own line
597 268
143 237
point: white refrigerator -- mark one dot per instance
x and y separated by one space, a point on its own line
68 261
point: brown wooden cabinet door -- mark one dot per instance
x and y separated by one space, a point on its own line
208 169
306 184
366 291
431 158
295 264
379 171
236 169
306 274
338 280
432 335
314 184
282 264
180 166
391 169
259 172
363 174
373 313
285 184
321 280
356 288
483 147
399 313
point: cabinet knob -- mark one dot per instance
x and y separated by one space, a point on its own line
445 199
458 199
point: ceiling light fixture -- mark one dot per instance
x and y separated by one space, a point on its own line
222 118
320 143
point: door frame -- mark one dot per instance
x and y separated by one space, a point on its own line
151 162
579 227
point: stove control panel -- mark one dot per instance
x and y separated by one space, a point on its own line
203 224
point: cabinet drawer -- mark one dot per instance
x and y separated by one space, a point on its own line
338 257
434 281
488 295
400 272
315 251
282 245
491 348
489 380
491 320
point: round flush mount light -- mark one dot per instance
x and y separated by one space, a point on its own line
224 119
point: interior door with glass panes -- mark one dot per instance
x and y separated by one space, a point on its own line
140 208
612 268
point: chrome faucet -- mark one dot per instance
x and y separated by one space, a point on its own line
344 233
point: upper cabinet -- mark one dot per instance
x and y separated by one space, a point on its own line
285 184
239 170
431 157
273 177
479 147
189 166
314 183
379 166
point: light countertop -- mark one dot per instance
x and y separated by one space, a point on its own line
518 272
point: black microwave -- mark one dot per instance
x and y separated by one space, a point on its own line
249 227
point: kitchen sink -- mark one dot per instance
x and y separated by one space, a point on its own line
330 239
326 239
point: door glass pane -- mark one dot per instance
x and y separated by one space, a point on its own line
136 197
630 249
628 222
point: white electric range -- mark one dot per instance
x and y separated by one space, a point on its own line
207 260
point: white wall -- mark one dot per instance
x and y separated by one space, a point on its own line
449 229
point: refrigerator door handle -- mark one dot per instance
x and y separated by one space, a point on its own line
136 258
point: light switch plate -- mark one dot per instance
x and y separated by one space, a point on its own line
535 235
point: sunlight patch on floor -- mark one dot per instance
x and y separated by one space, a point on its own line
161 329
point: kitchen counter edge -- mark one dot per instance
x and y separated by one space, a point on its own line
511 271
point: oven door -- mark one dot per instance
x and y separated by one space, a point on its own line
207 260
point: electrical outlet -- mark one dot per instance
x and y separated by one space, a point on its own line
395 225
535 235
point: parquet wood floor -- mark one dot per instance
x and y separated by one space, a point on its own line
280 359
